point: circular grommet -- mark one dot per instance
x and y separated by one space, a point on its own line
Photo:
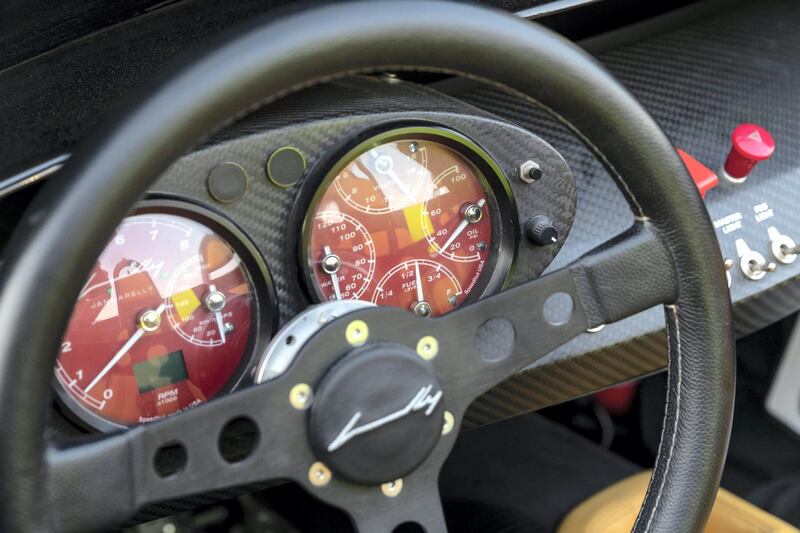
357 332
392 488
319 475
227 182
285 166
428 347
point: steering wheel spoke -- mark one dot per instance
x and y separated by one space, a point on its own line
480 345
626 275
413 499
245 440
420 505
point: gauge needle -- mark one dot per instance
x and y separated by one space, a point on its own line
334 278
122 351
420 296
463 224
218 317
385 165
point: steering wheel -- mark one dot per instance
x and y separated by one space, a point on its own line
367 413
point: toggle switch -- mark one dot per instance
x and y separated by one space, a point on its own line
704 178
752 263
783 248
750 144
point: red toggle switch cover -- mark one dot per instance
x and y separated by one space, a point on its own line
750 144
704 178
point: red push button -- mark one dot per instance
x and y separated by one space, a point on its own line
704 178
751 144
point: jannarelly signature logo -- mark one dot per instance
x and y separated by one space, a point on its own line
422 400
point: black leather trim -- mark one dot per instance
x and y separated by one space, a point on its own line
637 259
64 230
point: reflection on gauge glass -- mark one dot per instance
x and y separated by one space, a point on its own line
404 220
384 178
163 323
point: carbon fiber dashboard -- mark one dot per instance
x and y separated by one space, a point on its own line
699 82
272 216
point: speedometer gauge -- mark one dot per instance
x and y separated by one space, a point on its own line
166 320
409 219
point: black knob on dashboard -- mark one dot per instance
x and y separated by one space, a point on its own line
541 231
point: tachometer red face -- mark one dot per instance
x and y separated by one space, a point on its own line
162 323
405 223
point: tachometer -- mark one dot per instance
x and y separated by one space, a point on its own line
165 321
407 219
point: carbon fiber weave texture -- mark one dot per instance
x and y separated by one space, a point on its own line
269 215
699 82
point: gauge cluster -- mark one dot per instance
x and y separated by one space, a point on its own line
425 211
406 219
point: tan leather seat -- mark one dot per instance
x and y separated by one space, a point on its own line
614 509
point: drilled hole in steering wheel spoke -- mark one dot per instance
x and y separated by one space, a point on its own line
170 459
409 527
558 308
494 340
238 439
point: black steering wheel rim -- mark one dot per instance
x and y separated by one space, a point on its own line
47 264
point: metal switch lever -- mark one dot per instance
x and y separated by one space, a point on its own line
783 248
794 250
752 263
765 267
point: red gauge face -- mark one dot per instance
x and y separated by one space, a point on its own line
162 323
405 223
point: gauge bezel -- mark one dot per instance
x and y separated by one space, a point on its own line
262 326
502 206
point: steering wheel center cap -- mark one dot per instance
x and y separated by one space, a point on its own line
377 414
